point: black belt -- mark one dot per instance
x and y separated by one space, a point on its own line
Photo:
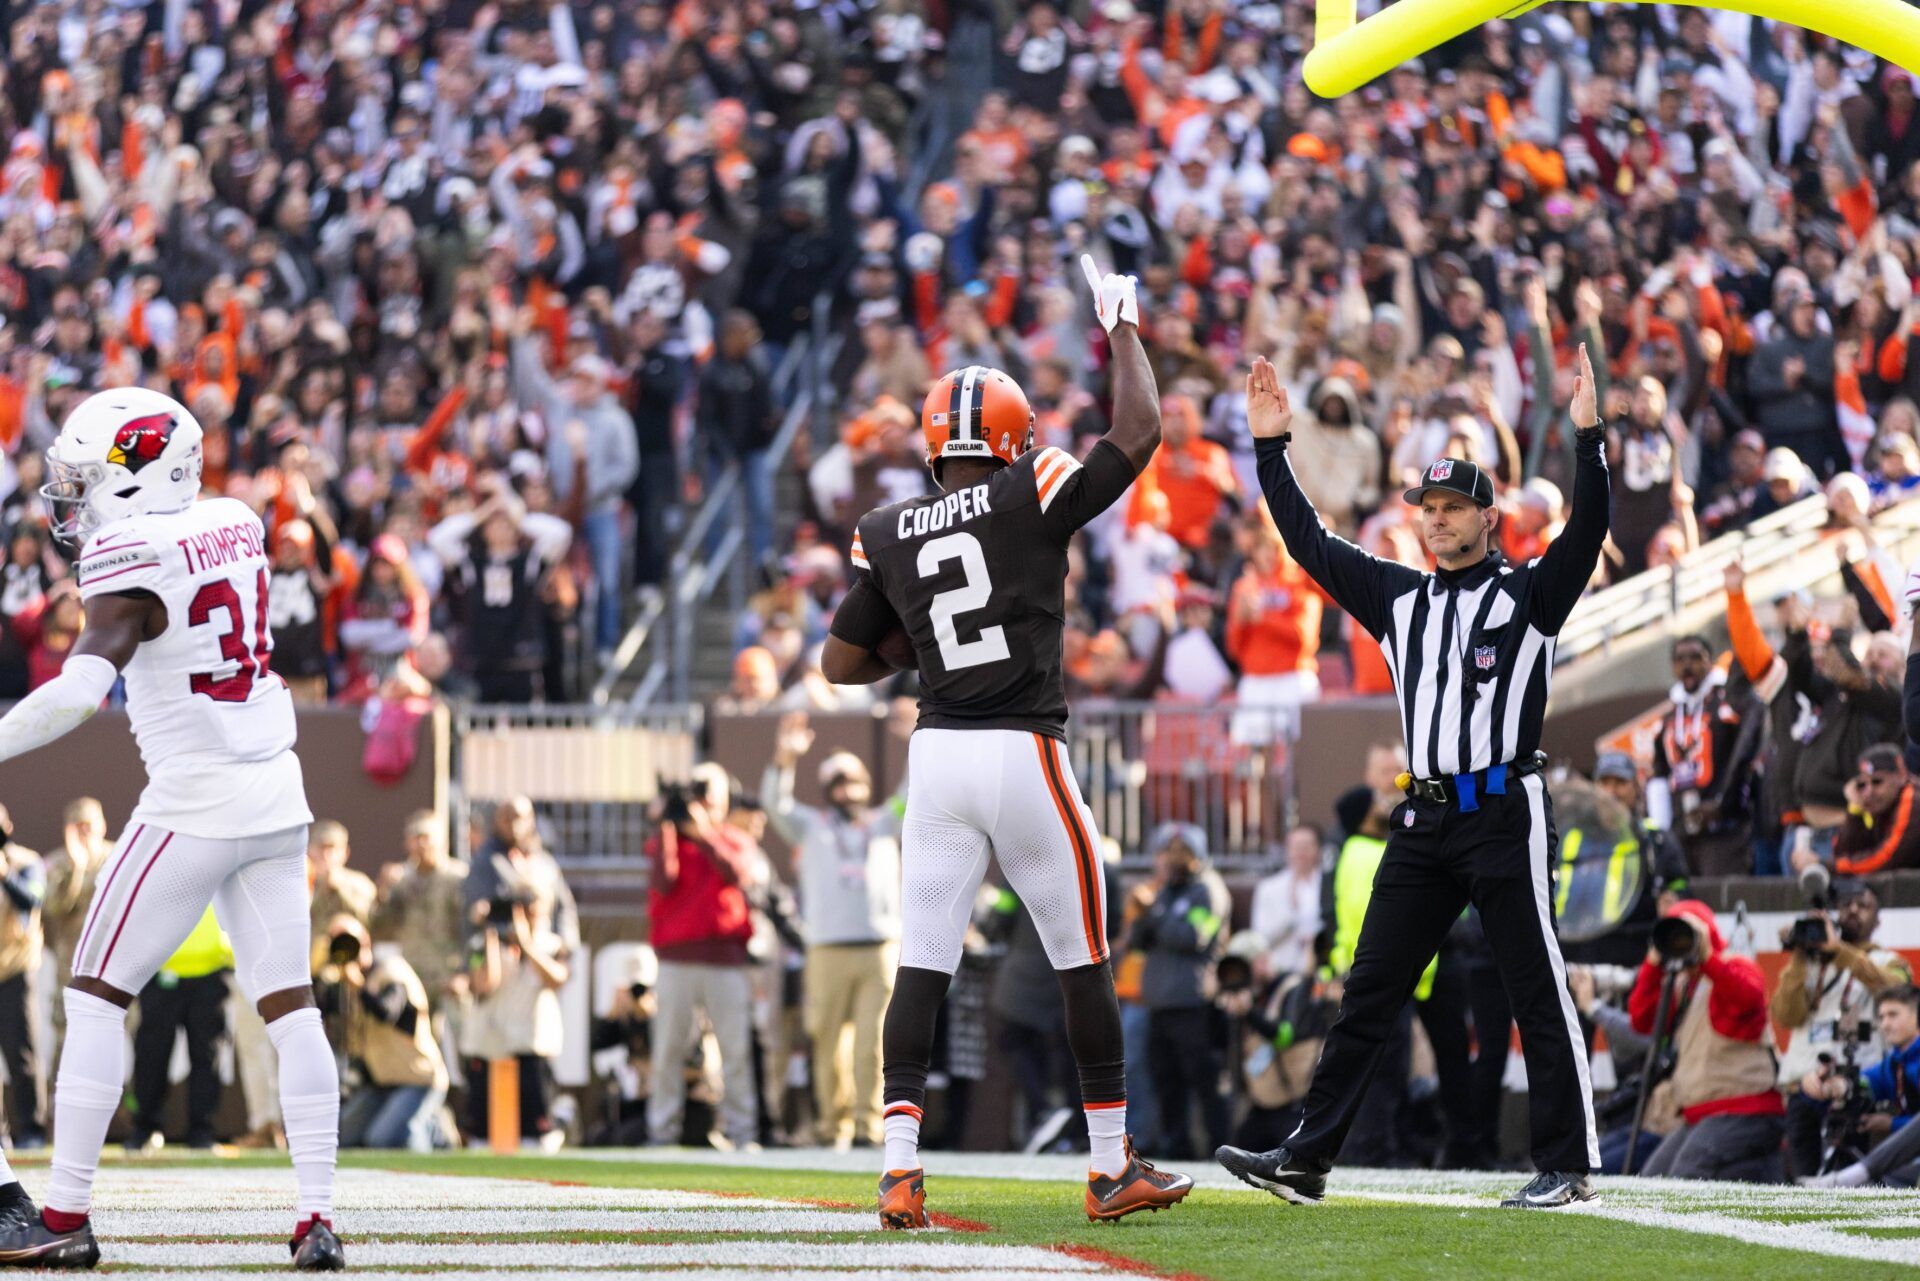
1465 790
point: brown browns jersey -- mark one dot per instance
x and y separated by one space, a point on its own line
978 578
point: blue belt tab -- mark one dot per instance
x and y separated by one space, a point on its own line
1463 785
1497 779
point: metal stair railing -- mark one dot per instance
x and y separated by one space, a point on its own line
1661 595
654 606
698 575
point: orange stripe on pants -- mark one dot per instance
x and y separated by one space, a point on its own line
1053 770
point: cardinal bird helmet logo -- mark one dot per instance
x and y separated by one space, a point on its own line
141 440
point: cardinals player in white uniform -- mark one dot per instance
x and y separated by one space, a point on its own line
176 597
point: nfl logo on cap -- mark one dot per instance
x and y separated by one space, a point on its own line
1440 470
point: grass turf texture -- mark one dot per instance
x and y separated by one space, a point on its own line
1230 1235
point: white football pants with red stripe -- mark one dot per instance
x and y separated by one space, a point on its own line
980 793
157 885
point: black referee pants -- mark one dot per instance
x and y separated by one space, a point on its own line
1500 859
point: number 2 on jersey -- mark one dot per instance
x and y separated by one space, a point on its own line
991 645
222 595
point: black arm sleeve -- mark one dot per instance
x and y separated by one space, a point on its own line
1796 650
1567 565
1746 749
864 615
1872 617
1363 585
1096 486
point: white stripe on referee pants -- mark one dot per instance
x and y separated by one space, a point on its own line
1537 864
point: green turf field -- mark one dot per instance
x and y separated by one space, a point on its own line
607 1214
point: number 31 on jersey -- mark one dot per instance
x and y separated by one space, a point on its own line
222 596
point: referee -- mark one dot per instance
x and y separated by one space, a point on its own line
1471 650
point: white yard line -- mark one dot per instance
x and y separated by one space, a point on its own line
1733 1210
484 1222
703 1274
893 1257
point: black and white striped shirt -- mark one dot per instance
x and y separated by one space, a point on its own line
1471 650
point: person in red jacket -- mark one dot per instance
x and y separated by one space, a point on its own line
1723 1067
700 924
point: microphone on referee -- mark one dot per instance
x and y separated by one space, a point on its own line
1470 646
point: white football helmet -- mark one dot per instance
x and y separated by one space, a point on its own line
124 452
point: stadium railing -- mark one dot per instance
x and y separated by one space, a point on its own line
590 771
1660 596
693 572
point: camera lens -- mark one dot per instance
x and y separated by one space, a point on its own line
1673 938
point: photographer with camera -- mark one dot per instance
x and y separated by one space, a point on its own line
701 924
1824 997
396 1079
1885 1098
1283 1017
622 1043
1182 928
1707 1007
526 931
1629 1125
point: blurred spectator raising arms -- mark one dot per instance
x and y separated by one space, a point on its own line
847 859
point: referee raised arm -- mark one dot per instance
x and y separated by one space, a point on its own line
1471 650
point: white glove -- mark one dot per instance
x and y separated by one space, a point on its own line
1113 300
923 252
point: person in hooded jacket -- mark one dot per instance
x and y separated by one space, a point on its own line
1344 481
1723 1067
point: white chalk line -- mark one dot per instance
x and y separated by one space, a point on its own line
892 1256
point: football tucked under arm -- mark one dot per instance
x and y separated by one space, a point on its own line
866 641
896 647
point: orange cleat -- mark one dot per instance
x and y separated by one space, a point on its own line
903 1199
1137 1187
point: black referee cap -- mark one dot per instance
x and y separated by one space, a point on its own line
1458 475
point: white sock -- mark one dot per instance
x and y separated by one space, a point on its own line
309 1106
1107 1133
1851 1176
91 1078
903 1136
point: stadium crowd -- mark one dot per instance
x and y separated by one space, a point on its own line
472 300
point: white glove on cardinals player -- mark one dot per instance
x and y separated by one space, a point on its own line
1113 300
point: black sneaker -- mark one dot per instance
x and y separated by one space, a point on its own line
316 1249
1280 1172
1550 1189
27 1242
17 1210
